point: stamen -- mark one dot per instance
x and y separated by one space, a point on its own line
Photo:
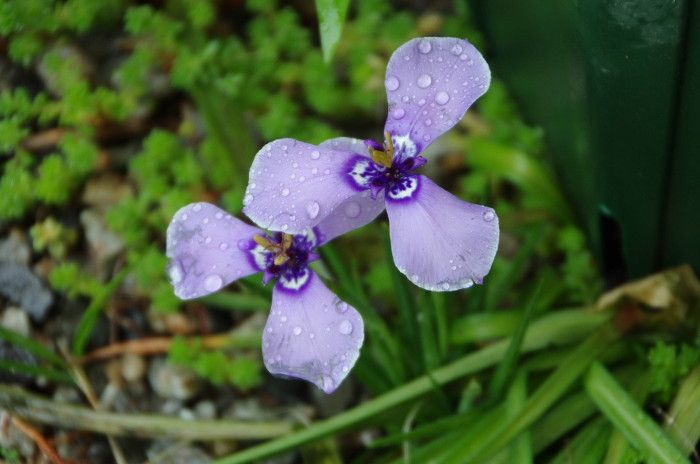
383 157
278 249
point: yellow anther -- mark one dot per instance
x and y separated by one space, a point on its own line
278 249
383 157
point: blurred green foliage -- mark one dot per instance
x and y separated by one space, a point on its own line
174 98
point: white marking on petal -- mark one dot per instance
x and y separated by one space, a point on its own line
295 283
408 188
260 255
404 146
359 172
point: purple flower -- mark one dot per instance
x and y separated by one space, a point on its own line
439 241
310 333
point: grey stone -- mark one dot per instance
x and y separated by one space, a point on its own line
15 249
173 381
19 285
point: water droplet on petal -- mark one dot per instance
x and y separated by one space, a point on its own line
246 201
285 192
345 327
392 83
315 154
213 283
207 240
197 207
352 209
328 383
421 102
223 246
312 209
284 227
244 244
428 122
175 273
424 46
341 306
302 178
442 97
184 217
297 330
424 81
488 216
398 113
445 285
283 318
457 49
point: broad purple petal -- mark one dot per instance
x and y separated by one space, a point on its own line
207 248
312 335
430 84
356 211
440 242
294 185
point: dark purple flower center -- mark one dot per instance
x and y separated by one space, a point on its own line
285 257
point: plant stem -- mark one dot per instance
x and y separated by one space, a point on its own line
37 409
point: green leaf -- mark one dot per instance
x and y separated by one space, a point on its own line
331 15
629 418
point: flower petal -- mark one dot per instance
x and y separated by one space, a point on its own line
207 248
356 211
430 84
440 242
312 335
294 185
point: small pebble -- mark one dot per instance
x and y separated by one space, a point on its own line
14 249
172 381
133 367
15 319
19 285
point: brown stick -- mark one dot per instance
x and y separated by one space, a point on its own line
148 346
39 439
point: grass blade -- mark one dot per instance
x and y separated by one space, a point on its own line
629 418
331 16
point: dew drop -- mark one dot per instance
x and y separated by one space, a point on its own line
284 227
398 113
312 209
285 192
314 171
424 81
345 327
352 209
488 216
445 286
213 283
421 102
244 244
424 46
457 49
297 330
220 215
197 207
442 97
315 154
328 383
405 99
246 201
302 179
223 246
341 306
184 217
392 83
283 319
428 122
175 273
207 240
295 165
